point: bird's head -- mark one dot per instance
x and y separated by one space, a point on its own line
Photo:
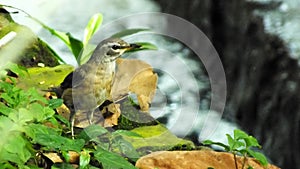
112 48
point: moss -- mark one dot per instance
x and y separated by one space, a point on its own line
25 48
132 118
44 77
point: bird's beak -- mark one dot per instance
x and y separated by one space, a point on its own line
132 46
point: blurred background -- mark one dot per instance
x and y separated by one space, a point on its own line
258 43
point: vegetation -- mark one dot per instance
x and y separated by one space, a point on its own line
242 144
32 132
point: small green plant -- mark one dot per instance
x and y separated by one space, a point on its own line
241 144
29 126
82 50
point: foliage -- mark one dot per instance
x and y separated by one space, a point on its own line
28 125
241 143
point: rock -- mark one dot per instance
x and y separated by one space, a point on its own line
202 159
22 45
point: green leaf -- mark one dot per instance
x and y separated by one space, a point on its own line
22 116
126 148
252 142
92 27
39 112
55 103
51 139
66 156
35 96
91 132
6 166
111 160
239 134
75 45
62 166
17 69
209 142
6 110
259 156
6 86
144 46
8 99
84 159
128 32
231 142
62 119
13 147
86 53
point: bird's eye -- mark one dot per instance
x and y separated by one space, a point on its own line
115 47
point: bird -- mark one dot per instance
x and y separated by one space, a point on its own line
89 85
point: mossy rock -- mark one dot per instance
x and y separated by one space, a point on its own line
24 47
42 78
157 138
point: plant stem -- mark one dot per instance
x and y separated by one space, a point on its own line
235 161
244 161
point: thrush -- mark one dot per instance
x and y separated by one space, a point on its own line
89 85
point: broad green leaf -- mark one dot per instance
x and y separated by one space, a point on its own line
16 149
15 68
42 78
8 99
51 139
86 53
61 35
259 156
6 86
6 166
6 110
126 148
239 134
66 156
92 27
84 159
209 142
39 112
231 142
92 132
55 103
21 116
144 46
128 32
35 96
111 160
252 142
62 119
13 147
75 45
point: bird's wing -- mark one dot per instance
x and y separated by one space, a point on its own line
74 78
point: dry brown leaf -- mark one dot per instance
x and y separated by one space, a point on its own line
114 110
111 113
55 158
134 76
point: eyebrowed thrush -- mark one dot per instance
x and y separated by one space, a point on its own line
89 86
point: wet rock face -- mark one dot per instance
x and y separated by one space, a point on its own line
203 159
263 81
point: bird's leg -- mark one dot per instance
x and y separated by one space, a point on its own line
90 116
72 121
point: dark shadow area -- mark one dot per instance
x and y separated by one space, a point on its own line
263 80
